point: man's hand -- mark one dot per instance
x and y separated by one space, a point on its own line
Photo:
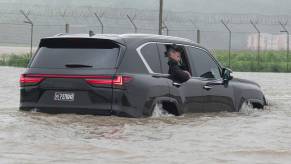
188 74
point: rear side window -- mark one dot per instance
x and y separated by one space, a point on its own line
151 55
164 59
59 53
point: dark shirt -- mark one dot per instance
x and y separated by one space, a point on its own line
177 74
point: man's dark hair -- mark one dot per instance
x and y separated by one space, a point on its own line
171 48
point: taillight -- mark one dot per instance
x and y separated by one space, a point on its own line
34 79
109 80
26 80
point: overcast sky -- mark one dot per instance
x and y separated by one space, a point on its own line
273 7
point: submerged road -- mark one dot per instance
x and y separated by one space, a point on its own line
251 136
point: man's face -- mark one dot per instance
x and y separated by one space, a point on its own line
175 55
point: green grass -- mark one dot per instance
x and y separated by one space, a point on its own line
247 61
243 61
14 60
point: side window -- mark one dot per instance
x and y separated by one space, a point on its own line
164 59
204 65
151 55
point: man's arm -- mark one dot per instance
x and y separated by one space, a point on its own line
180 75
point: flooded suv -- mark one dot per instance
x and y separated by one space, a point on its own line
127 75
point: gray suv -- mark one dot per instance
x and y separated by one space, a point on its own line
127 75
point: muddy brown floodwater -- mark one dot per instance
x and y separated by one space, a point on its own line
251 136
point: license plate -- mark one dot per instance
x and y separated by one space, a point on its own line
64 96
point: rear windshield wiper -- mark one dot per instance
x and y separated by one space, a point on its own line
78 66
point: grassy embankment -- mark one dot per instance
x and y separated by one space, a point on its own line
244 61
14 60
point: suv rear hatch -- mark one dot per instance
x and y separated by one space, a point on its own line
72 75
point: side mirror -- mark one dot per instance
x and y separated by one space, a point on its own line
226 75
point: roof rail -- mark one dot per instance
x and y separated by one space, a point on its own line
60 34
91 33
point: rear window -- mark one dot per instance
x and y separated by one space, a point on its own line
59 53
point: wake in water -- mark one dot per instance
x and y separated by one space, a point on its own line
248 109
159 111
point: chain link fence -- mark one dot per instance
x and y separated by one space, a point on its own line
241 41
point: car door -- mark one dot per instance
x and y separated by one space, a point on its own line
218 96
155 85
189 93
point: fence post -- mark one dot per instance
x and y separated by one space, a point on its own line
131 19
161 17
29 21
197 31
67 28
259 42
198 36
166 27
99 17
285 30
229 40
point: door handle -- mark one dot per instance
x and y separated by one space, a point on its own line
176 84
207 87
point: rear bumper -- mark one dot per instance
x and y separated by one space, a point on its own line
96 101
90 110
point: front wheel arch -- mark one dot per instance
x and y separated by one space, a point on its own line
255 103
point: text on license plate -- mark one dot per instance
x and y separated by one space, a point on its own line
64 96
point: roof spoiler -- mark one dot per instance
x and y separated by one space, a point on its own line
78 43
